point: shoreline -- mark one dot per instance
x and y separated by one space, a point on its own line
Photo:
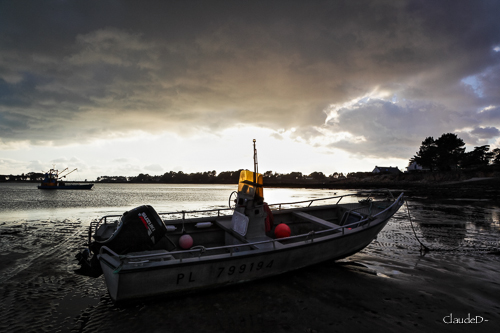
479 188
472 188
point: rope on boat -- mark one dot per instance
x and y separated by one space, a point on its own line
423 248
199 247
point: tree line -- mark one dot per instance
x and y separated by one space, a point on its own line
448 153
30 176
211 177
225 177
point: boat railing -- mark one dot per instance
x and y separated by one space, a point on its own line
104 219
184 213
366 208
308 237
279 206
94 225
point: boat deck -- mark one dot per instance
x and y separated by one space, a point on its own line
225 224
312 218
214 235
304 224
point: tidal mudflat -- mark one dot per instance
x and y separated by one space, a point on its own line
391 285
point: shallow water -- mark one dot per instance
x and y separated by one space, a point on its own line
40 231
23 201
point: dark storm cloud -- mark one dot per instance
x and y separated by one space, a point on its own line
76 71
485 132
490 115
382 127
490 83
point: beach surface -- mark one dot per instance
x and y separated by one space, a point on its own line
390 286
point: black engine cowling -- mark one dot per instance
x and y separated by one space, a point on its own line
139 230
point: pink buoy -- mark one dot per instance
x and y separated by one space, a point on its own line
282 230
186 241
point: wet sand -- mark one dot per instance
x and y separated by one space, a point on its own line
389 286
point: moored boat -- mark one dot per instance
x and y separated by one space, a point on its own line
52 181
143 253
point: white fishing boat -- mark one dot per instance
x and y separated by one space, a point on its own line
143 253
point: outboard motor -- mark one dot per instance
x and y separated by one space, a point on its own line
139 229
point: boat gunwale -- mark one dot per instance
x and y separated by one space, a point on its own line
188 261
371 222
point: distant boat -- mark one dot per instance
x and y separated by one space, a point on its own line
141 256
52 181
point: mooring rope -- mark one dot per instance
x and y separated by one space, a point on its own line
425 249
422 246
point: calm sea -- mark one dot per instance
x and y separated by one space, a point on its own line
25 202
446 223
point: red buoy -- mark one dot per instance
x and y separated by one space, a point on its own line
282 230
186 241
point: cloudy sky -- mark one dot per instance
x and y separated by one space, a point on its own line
124 87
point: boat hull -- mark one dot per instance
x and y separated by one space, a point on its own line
152 279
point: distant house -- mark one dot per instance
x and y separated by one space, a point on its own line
413 166
392 170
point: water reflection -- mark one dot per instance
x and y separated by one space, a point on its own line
24 201
457 225
449 236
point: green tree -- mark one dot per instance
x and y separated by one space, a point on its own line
480 156
181 177
317 175
228 177
496 156
268 174
168 177
37 176
444 154
450 150
427 154
142 178
294 175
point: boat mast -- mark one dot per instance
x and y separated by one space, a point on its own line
255 162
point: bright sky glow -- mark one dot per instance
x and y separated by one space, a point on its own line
229 150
